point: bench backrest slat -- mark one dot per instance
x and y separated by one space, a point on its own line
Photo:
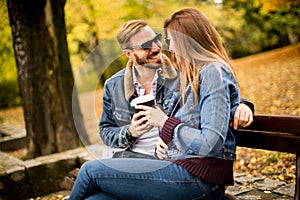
276 123
269 141
271 132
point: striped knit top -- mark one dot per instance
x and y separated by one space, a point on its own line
212 170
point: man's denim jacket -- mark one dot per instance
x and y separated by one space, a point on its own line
119 90
204 129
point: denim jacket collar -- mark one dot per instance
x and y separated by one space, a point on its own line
167 71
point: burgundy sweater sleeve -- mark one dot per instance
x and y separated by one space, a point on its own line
167 130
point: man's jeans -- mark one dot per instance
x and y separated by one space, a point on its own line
141 179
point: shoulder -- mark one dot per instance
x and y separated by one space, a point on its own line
215 69
216 74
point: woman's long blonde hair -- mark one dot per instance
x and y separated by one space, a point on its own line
196 43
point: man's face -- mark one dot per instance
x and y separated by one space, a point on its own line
146 48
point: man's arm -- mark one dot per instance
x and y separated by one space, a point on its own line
110 133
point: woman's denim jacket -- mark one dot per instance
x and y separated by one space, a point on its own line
204 129
119 90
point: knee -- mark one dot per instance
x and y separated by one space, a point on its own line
86 166
91 165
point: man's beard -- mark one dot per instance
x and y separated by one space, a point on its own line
144 62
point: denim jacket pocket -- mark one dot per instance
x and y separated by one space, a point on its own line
122 116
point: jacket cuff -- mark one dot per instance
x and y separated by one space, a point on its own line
131 140
128 139
168 128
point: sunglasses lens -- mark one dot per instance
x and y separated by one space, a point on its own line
148 44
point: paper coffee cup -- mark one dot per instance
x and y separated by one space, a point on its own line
146 100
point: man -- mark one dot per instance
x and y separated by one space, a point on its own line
148 71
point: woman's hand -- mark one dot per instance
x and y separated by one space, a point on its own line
154 116
161 149
243 116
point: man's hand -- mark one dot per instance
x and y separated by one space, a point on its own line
243 116
161 149
139 125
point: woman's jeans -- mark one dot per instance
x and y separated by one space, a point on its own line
141 179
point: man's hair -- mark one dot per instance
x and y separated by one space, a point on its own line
127 30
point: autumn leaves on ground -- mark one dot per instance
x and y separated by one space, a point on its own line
270 80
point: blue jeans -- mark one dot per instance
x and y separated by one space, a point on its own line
141 179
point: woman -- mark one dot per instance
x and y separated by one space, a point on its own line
197 147
203 144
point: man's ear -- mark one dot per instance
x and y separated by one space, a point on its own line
127 53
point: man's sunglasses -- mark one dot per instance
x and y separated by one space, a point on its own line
147 45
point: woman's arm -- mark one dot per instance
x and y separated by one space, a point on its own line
201 127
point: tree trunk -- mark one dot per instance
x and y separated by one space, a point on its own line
45 76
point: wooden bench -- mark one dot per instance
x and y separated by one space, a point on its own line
275 133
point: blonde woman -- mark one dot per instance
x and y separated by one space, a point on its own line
198 136
197 147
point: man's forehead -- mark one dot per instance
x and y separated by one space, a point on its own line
144 34
149 29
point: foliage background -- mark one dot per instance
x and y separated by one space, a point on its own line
246 27
270 80
275 93
9 92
